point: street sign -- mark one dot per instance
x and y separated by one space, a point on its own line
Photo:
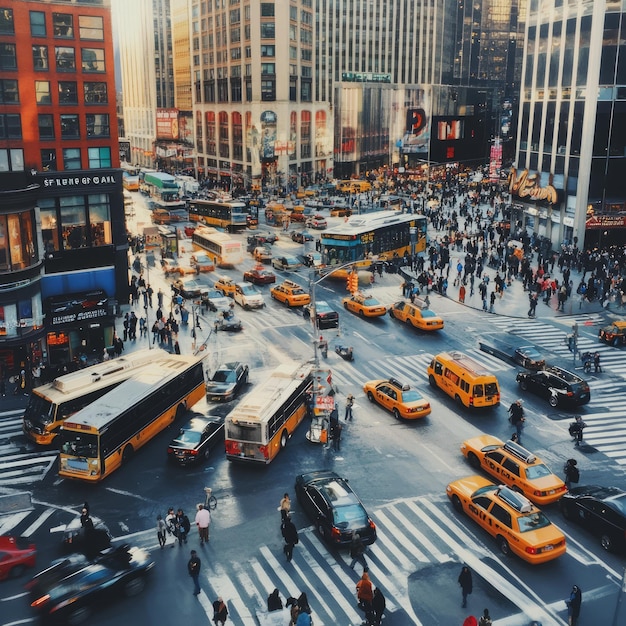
325 403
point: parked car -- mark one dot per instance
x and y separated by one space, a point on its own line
73 589
601 510
334 508
195 440
227 381
558 386
16 554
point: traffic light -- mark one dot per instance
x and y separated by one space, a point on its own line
353 282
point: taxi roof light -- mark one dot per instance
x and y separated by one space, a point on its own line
520 452
397 383
514 499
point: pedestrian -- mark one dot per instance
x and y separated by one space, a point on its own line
349 405
274 603
203 520
576 430
485 620
378 606
365 594
596 362
160 298
290 535
161 531
285 507
516 417
357 551
492 301
533 304
572 474
220 612
573 605
462 293
337 429
193 567
176 347
182 527
170 522
465 580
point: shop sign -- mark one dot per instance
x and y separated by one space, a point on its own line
76 308
78 181
525 185
606 221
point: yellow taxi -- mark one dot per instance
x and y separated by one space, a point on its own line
400 399
516 524
226 285
514 466
202 262
290 293
365 306
416 316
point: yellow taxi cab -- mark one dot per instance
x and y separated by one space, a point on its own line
226 285
516 524
290 293
416 316
614 333
398 398
515 466
365 306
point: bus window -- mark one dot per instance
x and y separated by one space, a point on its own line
438 368
478 391
491 389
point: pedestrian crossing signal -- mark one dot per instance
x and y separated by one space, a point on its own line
353 282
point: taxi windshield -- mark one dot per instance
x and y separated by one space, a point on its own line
410 396
532 522
427 313
370 302
537 471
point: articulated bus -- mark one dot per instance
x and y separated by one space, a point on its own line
222 248
264 420
383 234
227 214
101 437
49 405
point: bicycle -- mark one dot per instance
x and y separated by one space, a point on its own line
210 501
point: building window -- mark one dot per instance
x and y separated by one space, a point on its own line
37 23
49 225
93 60
95 93
69 126
100 216
91 27
6 22
305 91
17 237
10 126
12 160
268 90
68 92
73 222
49 160
235 89
40 57
8 92
268 51
268 68
268 30
99 157
46 126
267 9
8 60
65 59
98 125
63 25
42 92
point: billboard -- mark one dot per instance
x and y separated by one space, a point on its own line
167 124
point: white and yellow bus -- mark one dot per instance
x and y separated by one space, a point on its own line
264 420
221 247
101 437
50 404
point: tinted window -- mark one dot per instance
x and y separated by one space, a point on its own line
501 514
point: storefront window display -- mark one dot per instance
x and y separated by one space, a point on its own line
21 317
17 247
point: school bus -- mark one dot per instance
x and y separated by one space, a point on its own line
104 435
354 186
464 379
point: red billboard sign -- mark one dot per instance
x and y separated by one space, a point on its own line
167 123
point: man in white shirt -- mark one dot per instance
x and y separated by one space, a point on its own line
203 519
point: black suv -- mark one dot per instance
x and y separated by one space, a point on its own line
557 385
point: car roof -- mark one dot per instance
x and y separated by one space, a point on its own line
566 375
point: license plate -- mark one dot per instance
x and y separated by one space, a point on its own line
488 399
551 492
548 548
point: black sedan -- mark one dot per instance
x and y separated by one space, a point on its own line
558 386
75 539
228 322
334 508
227 381
73 589
195 440
601 510
325 316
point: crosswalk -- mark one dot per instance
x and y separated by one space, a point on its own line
412 533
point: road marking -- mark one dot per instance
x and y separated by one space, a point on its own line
37 523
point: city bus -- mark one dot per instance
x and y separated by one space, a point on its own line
100 438
130 182
382 235
222 248
161 187
264 420
49 405
230 215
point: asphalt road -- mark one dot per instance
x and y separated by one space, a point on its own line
399 469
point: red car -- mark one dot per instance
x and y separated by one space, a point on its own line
259 276
15 556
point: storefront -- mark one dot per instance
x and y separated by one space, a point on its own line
605 230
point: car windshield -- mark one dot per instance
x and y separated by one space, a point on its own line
411 396
79 444
532 522
291 261
350 516
249 290
427 313
370 302
224 376
537 471
618 503
188 437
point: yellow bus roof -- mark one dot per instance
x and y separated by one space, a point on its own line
467 363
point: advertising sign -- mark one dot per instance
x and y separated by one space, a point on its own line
167 123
